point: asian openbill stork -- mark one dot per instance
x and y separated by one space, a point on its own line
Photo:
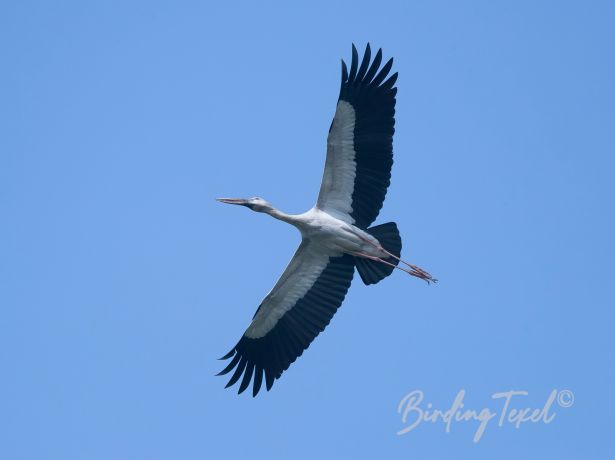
336 236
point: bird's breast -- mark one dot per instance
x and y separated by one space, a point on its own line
331 233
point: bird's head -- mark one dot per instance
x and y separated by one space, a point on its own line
255 204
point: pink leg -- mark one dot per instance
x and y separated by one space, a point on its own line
419 274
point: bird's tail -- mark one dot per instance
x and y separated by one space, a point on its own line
372 271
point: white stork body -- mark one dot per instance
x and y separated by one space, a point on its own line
336 233
330 233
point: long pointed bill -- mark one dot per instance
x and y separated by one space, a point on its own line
240 201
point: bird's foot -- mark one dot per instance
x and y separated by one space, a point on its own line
413 269
419 273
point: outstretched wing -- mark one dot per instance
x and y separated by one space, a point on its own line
360 142
297 309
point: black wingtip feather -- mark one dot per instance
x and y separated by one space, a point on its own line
374 67
269 379
387 85
240 368
258 380
383 73
364 63
228 355
230 366
354 64
247 376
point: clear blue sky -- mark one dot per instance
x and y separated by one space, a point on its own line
122 280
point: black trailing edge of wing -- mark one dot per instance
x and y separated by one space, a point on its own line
269 356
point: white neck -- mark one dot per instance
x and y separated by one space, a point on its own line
277 214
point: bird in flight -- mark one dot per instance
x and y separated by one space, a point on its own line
336 233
